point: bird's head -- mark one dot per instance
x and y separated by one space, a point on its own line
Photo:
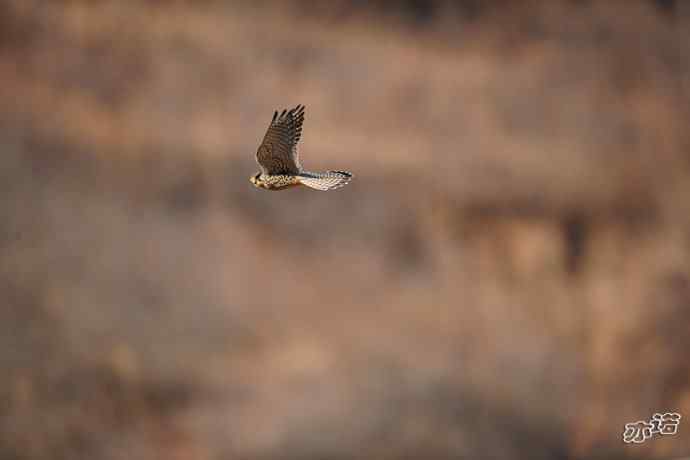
255 180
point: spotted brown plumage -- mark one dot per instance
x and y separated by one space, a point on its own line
279 161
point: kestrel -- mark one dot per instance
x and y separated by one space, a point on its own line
279 162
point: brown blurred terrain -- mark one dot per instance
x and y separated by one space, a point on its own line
507 276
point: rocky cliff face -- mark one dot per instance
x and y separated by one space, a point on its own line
508 275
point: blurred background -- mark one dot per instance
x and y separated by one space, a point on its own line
507 276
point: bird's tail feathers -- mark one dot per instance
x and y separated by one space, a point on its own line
329 180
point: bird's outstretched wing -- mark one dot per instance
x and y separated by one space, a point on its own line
277 154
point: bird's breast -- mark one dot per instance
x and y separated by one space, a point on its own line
279 182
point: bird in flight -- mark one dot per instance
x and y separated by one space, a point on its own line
279 162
